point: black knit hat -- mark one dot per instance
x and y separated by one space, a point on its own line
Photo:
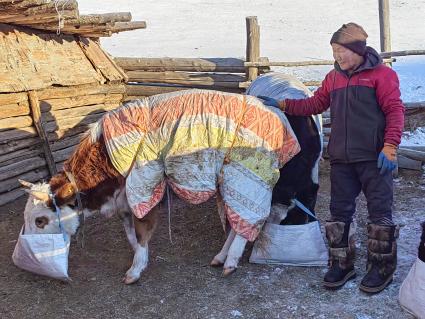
352 36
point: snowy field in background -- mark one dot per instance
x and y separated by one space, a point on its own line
290 31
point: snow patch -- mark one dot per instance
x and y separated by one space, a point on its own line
415 138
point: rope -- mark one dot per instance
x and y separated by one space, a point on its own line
169 213
60 11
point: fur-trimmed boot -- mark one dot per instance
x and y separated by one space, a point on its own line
381 257
341 254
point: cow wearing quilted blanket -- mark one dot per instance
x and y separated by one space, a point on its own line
198 142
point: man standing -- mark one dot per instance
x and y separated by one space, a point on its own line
367 118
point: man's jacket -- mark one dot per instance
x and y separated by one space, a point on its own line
366 109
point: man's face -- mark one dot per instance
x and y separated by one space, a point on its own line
347 59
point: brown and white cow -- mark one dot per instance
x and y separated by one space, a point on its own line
92 173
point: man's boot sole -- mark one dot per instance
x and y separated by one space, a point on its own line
339 284
374 290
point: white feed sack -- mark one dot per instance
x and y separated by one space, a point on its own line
43 254
294 245
412 290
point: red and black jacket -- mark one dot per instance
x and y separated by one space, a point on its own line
366 109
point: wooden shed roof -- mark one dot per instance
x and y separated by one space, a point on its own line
63 16
34 59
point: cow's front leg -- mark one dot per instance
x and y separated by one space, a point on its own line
220 258
234 254
144 229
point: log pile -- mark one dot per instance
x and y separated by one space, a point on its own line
149 76
62 115
52 87
63 16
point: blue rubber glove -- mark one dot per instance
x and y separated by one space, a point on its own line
269 101
387 159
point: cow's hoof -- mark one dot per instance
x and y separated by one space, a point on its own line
128 279
216 263
228 271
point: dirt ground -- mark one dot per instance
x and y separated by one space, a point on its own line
179 283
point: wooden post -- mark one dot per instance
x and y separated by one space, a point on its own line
252 46
384 25
36 116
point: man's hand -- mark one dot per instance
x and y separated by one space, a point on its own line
387 160
273 102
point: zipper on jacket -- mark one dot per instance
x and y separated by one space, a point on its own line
346 111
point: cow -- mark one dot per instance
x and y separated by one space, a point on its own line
299 177
91 174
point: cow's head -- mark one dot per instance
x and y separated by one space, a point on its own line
40 213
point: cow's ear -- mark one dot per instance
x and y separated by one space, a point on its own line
25 183
44 197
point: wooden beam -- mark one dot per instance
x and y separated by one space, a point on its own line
17 168
415 105
17 109
77 101
11 196
402 53
299 63
384 25
412 154
17 134
186 78
36 115
30 176
231 65
148 90
15 122
252 46
79 90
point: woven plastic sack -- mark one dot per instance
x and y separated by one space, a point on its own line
43 254
294 245
412 290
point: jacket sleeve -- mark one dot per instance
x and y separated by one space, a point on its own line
316 104
388 95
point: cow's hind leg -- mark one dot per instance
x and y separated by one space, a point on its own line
127 220
144 229
220 258
234 254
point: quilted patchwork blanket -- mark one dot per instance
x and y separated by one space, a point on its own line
200 142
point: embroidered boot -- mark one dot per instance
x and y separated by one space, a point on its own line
341 254
381 257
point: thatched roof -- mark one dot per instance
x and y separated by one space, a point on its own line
63 16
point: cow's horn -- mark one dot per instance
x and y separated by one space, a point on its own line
25 183
39 195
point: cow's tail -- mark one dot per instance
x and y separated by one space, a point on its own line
95 131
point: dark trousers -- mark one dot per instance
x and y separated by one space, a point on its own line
347 180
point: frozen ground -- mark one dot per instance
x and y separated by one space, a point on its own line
179 283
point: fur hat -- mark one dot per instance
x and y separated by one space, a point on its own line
352 36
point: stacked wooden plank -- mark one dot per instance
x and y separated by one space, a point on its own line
51 88
149 76
63 16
